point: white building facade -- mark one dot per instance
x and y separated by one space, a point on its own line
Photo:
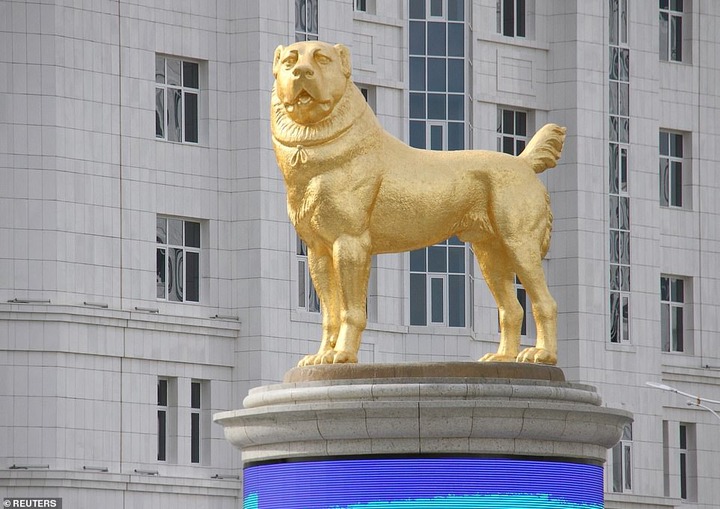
109 375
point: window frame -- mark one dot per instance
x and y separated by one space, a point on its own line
516 21
621 464
305 31
185 92
670 322
670 30
673 181
196 401
307 297
448 278
166 246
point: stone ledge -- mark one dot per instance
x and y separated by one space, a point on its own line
426 370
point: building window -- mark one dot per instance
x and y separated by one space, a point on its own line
437 74
618 170
622 463
511 18
162 411
512 138
512 131
671 30
438 284
195 396
687 462
438 274
176 99
672 308
365 6
679 460
166 419
178 260
671 169
306 20
307 295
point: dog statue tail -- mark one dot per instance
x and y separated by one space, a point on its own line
544 149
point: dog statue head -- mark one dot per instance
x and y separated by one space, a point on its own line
310 79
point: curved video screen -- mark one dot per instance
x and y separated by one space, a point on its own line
423 483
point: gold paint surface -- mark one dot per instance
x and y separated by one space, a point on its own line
354 190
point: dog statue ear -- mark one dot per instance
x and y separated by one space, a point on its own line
344 53
276 59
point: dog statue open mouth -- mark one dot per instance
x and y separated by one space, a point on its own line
353 190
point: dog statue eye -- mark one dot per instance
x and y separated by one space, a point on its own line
322 59
290 61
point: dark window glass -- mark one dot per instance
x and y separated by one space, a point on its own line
418 299
191 117
456 40
436 7
436 137
417 9
192 234
160 112
192 278
195 438
437 75
456 10
417 134
614 317
676 184
677 145
676 41
456 75
190 75
436 39
437 300
417 105
162 436
456 136
437 259
520 18
417 73
160 278
456 260
520 123
664 143
664 182
455 107
175 274
508 18
417 37
436 106
174 112
456 301
162 392
195 394
417 260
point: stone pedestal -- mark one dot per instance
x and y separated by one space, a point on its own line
459 423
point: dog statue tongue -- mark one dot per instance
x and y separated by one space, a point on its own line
354 190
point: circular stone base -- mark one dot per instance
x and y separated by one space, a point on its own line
435 408
426 370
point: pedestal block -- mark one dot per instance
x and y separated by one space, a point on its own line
446 433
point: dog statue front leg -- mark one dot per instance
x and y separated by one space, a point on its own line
323 276
351 258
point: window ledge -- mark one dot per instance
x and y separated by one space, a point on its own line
621 347
379 20
513 41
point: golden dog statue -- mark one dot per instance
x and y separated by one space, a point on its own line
353 190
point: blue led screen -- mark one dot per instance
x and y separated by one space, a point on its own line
424 483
